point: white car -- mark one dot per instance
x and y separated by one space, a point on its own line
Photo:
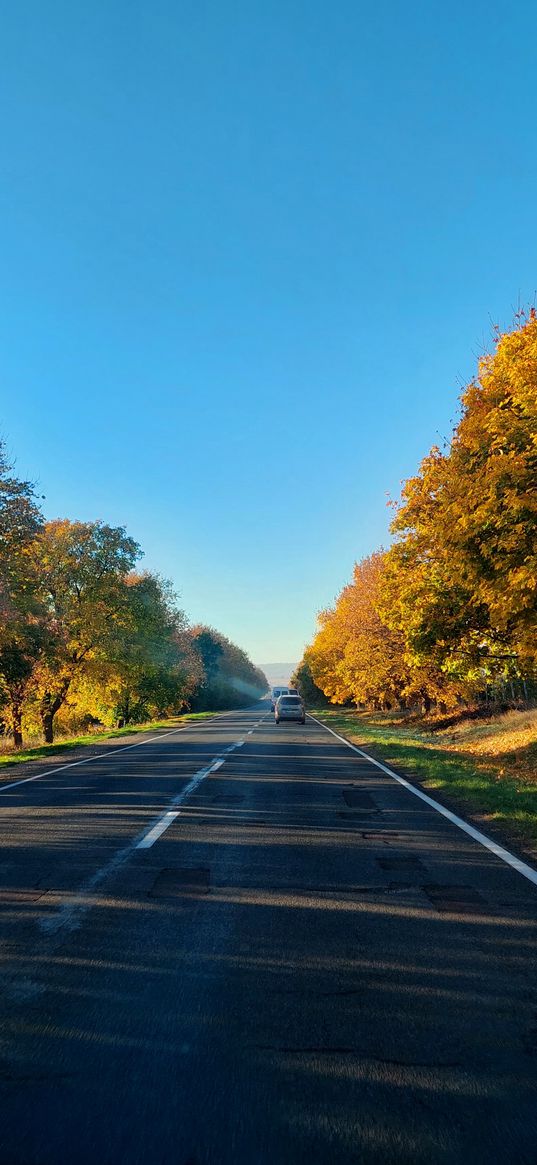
289 708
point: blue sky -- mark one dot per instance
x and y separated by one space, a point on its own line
249 255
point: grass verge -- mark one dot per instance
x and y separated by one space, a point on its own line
495 783
26 754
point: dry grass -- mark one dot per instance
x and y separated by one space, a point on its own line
508 741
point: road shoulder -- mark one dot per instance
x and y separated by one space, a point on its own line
507 814
61 757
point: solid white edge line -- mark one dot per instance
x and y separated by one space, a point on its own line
113 752
498 850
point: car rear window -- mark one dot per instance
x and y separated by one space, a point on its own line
290 700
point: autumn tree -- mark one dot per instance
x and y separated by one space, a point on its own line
81 632
83 566
22 616
355 656
492 500
462 573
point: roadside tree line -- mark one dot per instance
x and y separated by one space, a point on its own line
86 636
449 612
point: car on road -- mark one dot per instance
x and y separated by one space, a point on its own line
276 693
289 708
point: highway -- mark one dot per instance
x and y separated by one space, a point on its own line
239 944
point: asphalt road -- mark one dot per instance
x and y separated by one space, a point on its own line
287 959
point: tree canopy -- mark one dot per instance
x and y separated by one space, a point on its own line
452 605
86 636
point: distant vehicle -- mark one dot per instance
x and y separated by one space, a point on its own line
289 708
275 695
293 692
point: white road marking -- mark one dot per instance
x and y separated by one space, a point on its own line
77 904
112 753
70 912
498 850
158 829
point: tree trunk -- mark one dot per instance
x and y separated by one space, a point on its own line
49 706
16 713
47 721
426 704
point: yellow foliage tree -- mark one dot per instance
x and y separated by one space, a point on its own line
462 577
355 655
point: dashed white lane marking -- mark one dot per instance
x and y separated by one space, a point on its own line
158 829
148 839
232 747
70 912
498 850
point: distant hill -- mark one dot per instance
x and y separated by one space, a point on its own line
277 673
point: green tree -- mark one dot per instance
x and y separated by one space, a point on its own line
151 660
302 679
22 616
83 566
230 679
